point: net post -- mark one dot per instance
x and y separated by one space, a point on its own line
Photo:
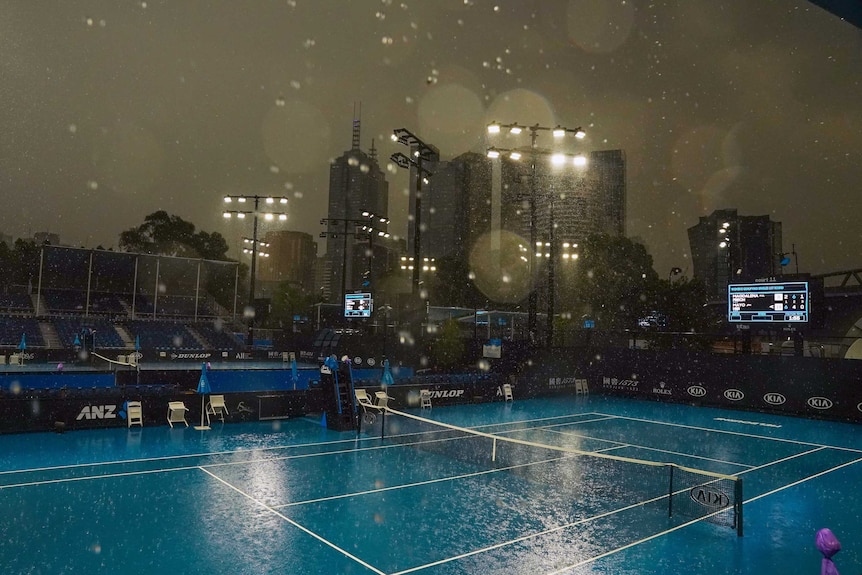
382 423
670 492
494 450
738 496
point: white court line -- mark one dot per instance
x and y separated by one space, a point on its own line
737 433
527 537
295 524
89 477
183 456
609 513
645 448
248 450
746 502
417 483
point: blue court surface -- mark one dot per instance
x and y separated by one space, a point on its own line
291 496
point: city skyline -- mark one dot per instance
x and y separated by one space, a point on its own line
139 107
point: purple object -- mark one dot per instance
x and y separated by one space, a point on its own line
829 545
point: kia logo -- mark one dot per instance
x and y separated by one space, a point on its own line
712 498
696 391
820 402
733 394
859 406
774 398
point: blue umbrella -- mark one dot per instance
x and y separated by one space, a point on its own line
387 378
77 342
203 389
23 345
294 376
137 343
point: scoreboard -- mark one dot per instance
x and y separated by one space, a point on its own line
358 305
776 302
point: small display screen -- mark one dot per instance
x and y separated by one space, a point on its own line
358 305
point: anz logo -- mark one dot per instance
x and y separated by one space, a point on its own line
712 498
820 402
773 398
97 412
733 394
696 390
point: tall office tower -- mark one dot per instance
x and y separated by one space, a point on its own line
292 258
323 279
460 206
729 248
579 201
356 184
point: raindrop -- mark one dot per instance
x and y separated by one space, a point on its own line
297 195
295 84
279 102
274 169
93 185
73 128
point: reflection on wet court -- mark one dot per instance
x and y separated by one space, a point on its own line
290 496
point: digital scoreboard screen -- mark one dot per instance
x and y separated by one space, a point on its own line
776 302
358 305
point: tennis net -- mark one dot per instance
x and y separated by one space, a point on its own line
685 492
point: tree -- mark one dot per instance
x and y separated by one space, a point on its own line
164 234
448 348
288 301
452 285
612 282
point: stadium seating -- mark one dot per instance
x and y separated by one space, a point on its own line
12 328
15 299
106 334
162 335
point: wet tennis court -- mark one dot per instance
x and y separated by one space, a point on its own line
290 496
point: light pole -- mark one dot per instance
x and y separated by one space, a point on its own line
366 226
419 152
557 132
242 201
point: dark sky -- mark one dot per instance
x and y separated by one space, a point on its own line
112 109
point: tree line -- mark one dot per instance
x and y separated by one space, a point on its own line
612 284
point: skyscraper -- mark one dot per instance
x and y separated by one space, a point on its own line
729 248
292 258
356 184
580 201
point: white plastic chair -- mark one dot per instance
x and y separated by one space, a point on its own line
134 413
581 387
177 413
424 398
507 393
363 399
369 410
381 400
216 406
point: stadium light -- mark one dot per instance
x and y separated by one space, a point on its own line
255 244
557 159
